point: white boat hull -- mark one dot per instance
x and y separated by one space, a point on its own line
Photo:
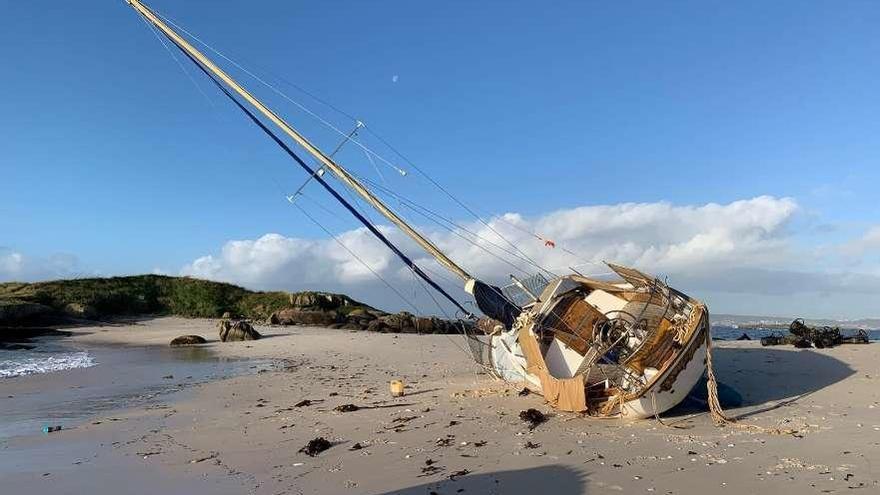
657 392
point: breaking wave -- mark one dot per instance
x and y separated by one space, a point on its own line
10 368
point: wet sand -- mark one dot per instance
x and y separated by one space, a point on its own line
457 430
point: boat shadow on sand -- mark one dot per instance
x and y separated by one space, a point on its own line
757 380
563 480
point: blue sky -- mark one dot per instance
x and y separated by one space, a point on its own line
114 162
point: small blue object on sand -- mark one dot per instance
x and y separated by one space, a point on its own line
50 429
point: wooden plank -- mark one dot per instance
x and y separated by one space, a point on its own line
572 321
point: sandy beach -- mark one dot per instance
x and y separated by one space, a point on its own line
456 430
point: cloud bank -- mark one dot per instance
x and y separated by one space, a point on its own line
659 237
16 266
737 252
741 257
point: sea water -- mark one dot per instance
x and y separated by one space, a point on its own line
58 384
41 359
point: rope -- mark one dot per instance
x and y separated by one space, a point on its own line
657 414
716 412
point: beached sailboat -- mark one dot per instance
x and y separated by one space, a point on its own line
631 347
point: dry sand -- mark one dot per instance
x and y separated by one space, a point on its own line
457 430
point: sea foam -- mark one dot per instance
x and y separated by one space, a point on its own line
35 363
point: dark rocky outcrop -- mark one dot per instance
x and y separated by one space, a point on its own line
405 322
326 310
236 331
296 316
13 312
188 340
334 311
321 300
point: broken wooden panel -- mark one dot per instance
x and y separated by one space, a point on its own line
572 322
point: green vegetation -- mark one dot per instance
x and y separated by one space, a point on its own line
157 295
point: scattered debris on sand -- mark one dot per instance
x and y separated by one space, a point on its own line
429 470
316 446
445 442
347 408
533 417
212 455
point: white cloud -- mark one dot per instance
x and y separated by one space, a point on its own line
11 263
739 247
869 241
743 257
273 261
16 266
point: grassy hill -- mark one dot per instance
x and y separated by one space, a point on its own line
102 298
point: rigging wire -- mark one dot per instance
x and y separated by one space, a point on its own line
439 275
326 185
445 191
537 236
369 152
461 328
355 256
282 94
470 241
428 213
332 191
179 63
409 302
299 207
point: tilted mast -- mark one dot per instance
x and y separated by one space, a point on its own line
326 161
